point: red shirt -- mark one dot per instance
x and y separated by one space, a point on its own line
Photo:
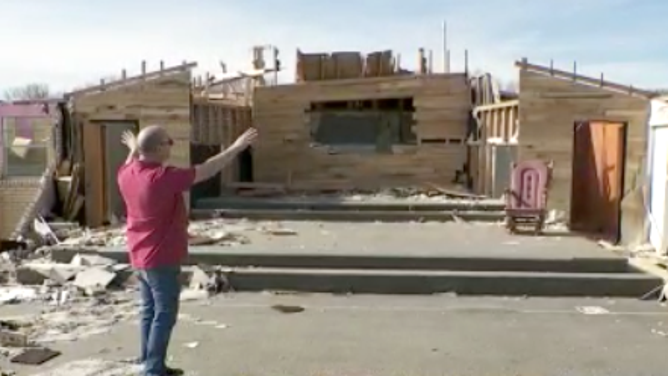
157 221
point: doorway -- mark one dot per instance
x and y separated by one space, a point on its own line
599 149
245 165
199 153
105 153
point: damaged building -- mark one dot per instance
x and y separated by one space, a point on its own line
354 121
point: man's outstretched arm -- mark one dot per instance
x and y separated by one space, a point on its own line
215 164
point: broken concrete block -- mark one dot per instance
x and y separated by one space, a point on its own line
94 278
27 275
193 294
62 275
91 260
10 338
200 278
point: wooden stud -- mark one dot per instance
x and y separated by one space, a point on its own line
466 62
430 68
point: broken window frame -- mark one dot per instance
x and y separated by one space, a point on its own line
7 170
387 137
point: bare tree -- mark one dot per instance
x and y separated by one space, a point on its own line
28 92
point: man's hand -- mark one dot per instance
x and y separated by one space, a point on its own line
216 163
245 140
130 140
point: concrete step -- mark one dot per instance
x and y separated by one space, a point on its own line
334 204
628 285
349 215
356 260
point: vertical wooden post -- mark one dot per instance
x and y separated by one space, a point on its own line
575 70
143 68
466 62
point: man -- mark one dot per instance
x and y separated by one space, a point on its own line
157 230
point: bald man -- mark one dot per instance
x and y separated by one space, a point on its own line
157 230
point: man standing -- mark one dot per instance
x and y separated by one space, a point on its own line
157 230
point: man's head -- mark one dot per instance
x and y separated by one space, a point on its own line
153 143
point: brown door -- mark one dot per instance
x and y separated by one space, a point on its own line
93 147
598 174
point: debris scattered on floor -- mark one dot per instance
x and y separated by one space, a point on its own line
191 345
659 333
592 310
204 282
35 356
280 231
16 294
287 308
87 367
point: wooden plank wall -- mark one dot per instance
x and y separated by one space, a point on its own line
219 124
163 101
344 65
549 106
284 153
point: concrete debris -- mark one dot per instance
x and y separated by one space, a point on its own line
279 231
93 280
11 338
17 294
592 310
610 247
91 260
204 282
96 367
188 295
191 345
287 308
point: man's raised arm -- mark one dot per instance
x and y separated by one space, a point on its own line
215 164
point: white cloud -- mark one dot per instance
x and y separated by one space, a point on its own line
67 50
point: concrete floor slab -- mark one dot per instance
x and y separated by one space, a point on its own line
393 336
414 239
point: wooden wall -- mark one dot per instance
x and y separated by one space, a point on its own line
284 154
164 101
216 123
549 107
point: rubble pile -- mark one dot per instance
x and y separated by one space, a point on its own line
212 232
84 297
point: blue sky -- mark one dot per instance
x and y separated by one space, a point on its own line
74 42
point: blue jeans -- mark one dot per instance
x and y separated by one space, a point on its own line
160 289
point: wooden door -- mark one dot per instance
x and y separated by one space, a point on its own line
598 175
115 154
93 148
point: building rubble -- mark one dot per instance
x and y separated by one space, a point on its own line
91 293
